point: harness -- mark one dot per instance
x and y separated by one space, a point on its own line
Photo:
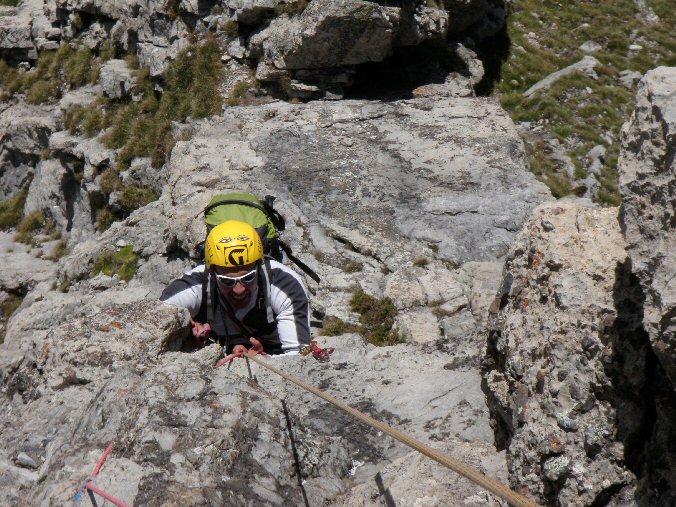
212 299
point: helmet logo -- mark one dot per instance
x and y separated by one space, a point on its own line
236 256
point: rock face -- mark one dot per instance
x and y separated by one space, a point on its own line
648 185
301 49
553 339
579 368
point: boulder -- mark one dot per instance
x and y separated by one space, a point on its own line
553 334
577 396
25 130
254 12
586 66
116 79
648 186
20 271
16 43
24 136
365 32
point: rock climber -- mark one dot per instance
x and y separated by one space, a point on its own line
245 301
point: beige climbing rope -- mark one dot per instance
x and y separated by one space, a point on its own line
495 487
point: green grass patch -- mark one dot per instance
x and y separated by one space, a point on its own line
143 128
333 326
129 198
133 197
7 308
59 250
577 110
546 169
55 72
124 263
11 210
9 3
376 317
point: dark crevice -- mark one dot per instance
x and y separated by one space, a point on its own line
176 251
493 52
409 67
645 399
70 186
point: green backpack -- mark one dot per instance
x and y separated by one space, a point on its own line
262 216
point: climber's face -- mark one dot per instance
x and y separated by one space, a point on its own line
237 284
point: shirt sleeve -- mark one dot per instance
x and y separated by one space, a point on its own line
186 292
291 305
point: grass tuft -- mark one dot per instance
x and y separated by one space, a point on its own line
60 249
351 266
333 326
124 263
28 226
376 317
11 210
7 308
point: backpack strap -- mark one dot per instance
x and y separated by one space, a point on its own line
275 217
307 269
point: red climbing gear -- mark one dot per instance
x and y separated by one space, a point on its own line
320 354
91 489
228 359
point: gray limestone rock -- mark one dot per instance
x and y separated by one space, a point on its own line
555 326
648 187
365 31
586 65
25 130
628 78
19 270
117 79
16 42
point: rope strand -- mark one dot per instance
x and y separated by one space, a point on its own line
495 487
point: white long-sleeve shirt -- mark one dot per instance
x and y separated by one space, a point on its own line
278 313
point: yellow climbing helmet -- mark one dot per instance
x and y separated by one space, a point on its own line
233 244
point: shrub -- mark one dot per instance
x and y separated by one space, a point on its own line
133 197
238 93
350 266
104 219
109 181
107 51
11 210
81 68
230 28
124 263
29 224
143 129
39 92
333 326
376 317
